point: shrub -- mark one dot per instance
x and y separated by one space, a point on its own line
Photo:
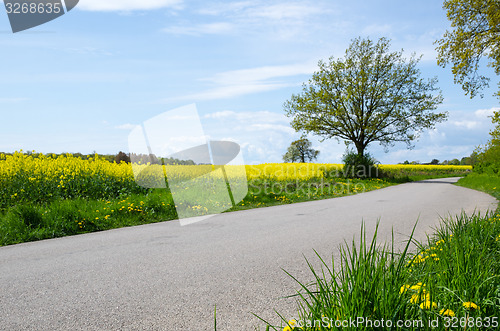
29 215
359 166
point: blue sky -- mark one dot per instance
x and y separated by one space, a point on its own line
81 82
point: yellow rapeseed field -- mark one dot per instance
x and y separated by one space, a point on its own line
33 177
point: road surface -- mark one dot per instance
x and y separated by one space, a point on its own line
166 277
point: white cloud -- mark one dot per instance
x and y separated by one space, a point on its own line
126 126
485 113
258 10
12 100
284 11
436 134
201 29
263 73
466 124
270 128
249 117
478 121
221 114
226 92
127 5
93 51
377 30
279 20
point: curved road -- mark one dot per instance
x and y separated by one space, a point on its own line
167 277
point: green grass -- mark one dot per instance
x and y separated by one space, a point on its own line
455 270
59 218
482 182
265 193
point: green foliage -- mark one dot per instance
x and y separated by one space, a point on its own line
372 95
29 215
475 33
488 157
359 166
489 160
300 151
122 157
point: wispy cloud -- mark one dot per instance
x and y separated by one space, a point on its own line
249 117
277 19
374 30
12 100
201 29
262 73
226 92
127 5
266 127
235 83
93 51
126 126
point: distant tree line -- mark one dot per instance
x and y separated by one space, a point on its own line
466 160
116 158
153 159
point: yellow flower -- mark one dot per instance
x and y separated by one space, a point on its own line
415 298
447 312
470 305
404 288
417 286
428 305
291 323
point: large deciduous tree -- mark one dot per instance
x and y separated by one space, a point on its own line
300 151
371 95
475 34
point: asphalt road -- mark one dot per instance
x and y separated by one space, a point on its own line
169 277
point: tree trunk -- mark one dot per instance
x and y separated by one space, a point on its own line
360 148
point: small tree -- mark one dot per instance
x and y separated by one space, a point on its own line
300 151
122 157
371 95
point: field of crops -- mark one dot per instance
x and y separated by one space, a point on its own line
51 196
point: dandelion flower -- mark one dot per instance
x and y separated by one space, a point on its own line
470 305
291 323
446 312
417 286
415 298
404 288
428 305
